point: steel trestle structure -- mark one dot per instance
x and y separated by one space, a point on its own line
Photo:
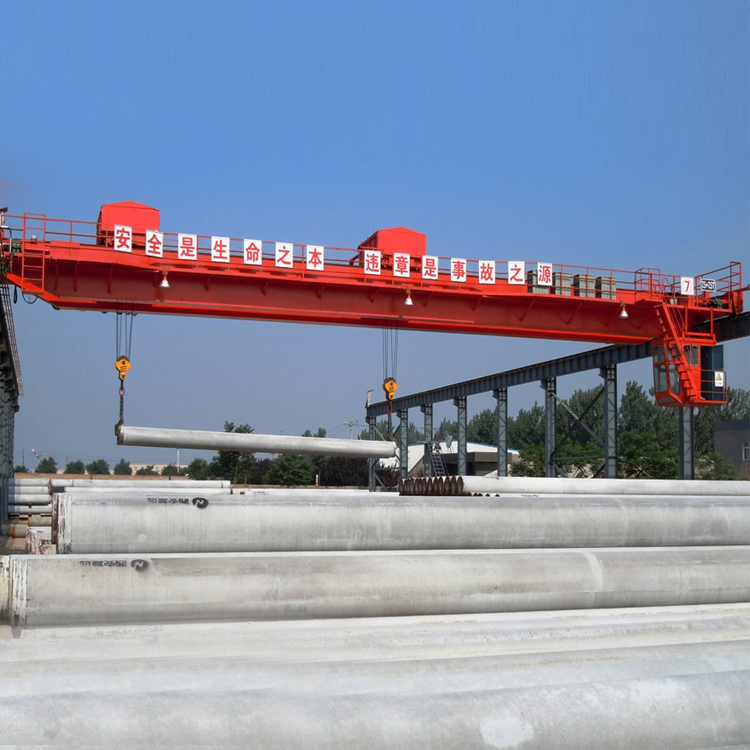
546 373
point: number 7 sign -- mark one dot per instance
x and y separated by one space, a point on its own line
687 285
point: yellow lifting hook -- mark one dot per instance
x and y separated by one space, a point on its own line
390 386
122 365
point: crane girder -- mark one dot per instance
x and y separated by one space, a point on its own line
382 283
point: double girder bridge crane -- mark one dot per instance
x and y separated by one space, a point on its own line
123 263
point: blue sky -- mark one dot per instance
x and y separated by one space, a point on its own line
608 134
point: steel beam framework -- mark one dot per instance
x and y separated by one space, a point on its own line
605 359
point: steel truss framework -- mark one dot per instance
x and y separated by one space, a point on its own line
546 373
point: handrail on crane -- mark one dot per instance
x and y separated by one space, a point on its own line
389 281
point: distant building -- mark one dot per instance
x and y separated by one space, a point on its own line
732 442
481 459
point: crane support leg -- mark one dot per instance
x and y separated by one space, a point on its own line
426 409
501 411
550 425
403 443
372 462
609 375
460 404
687 446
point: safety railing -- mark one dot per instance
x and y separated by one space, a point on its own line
521 276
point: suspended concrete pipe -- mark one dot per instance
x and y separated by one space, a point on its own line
318 521
57 590
250 443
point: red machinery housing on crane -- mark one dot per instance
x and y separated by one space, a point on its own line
124 263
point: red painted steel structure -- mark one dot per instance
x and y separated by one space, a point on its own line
74 265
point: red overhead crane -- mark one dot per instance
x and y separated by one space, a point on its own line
124 263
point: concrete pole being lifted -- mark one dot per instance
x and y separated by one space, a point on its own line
155 437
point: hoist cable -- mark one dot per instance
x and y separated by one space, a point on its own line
123 340
124 334
390 353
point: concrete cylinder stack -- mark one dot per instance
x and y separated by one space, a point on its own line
536 614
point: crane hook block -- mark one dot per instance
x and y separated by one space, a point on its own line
122 365
390 386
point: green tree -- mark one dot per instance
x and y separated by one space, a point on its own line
637 412
291 470
414 434
344 471
321 433
262 465
527 428
714 466
100 466
317 461
198 469
47 466
20 469
448 428
123 468
531 461
647 442
232 465
482 427
75 467
170 470
147 471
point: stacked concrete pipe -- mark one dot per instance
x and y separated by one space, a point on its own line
29 505
499 486
634 678
325 521
563 619
117 588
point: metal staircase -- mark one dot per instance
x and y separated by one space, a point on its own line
437 460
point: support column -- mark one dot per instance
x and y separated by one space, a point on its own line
501 410
609 374
426 409
550 425
687 446
403 444
372 462
460 404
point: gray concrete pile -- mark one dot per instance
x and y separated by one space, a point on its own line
673 677
553 617
31 498
500 486
29 506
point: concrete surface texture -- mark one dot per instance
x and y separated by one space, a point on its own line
101 589
631 678
143 522
543 485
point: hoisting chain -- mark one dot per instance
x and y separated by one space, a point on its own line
124 336
390 364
